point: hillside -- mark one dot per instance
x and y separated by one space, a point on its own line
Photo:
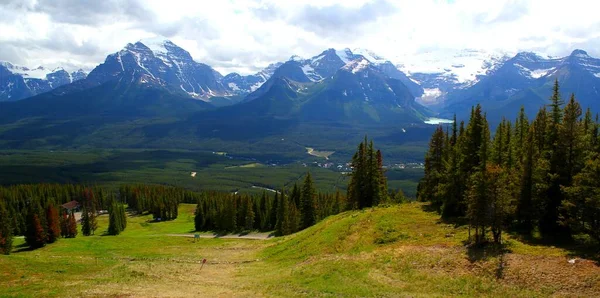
398 250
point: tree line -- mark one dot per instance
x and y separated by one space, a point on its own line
35 211
290 210
284 211
533 176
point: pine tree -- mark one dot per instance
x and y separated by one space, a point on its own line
115 224
572 141
525 206
380 177
434 170
36 234
307 207
6 231
249 220
358 179
452 189
123 216
282 227
64 225
86 224
582 203
477 195
72 226
499 198
199 217
53 223
555 156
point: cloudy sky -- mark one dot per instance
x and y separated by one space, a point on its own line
245 36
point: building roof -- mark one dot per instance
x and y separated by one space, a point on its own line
71 205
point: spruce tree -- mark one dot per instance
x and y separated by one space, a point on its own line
307 207
434 170
199 217
123 216
525 205
64 225
282 227
572 141
53 223
249 220
72 226
555 156
86 224
477 196
500 202
6 231
380 177
582 203
35 235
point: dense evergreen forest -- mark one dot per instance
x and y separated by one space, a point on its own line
540 176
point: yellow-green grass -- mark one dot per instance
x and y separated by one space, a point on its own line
385 252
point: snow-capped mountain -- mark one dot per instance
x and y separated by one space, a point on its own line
163 63
526 79
358 92
440 72
239 84
327 63
18 82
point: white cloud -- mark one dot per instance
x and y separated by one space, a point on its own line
244 36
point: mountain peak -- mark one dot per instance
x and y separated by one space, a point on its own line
579 53
529 56
158 45
357 65
370 55
296 58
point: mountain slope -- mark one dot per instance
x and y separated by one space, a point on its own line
98 113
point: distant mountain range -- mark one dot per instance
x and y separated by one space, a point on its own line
18 82
153 92
526 80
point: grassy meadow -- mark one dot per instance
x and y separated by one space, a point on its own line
385 252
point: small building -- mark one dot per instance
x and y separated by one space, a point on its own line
72 206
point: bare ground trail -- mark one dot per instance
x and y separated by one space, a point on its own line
250 236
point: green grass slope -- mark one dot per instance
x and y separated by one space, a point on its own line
398 251
405 251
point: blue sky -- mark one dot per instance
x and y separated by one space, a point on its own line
244 36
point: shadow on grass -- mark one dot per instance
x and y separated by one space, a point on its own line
486 251
23 247
456 221
587 249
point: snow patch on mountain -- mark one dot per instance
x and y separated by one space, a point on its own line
463 66
345 55
369 55
29 73
157 45
309 71
233 86
356 65
538 73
